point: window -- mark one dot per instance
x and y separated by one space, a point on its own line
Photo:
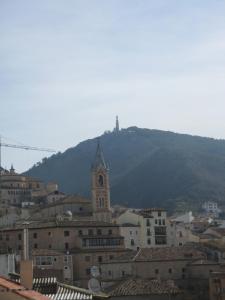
0 237
159 214
148 232
111 257
19 247
130 232
38 260
35 246
80 232
156 221
67 246
101 202
147 222
149 241
35 235
156 271
49 234
66 233
109 273
90 231
99 232
87 258
43 260
100 180
164 222
132 242
7 237
49 246
160 240
170 271
123 273
66 258
19 236
183 270
110 232
88 271
100 259
160 223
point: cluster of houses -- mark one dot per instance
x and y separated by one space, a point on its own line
59 246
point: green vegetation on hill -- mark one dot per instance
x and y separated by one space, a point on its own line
147 168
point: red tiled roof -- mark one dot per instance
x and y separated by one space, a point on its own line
168 253
20 290
140 287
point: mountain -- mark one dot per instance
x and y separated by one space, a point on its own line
147 168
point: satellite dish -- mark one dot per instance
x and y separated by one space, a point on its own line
95 271
94 285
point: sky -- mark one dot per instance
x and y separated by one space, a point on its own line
68 67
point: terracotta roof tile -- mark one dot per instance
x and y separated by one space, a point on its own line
168 253
20 290
137 286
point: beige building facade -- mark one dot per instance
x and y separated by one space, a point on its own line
17 189
153 226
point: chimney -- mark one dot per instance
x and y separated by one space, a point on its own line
26 265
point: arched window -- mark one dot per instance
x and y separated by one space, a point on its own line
101 202
100 180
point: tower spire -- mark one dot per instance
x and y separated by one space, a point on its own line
99 157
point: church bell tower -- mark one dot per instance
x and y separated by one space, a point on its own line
100 188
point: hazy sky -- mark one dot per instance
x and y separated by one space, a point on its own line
68 67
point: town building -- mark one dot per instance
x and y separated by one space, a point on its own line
211 208
217 286
78 206
132 235
168 263
55 196
59 245
153 226
20 190
180 233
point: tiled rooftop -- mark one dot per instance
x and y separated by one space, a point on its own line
137 286
54 290
64 223
162 254
221 231
73 199
168 253
18 289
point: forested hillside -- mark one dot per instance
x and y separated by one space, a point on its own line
147 168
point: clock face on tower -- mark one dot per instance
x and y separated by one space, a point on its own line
100 180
